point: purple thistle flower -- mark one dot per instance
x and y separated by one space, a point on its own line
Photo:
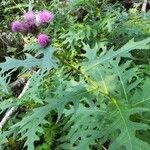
29 21
43 40
28 26
44 17
29 16
16 26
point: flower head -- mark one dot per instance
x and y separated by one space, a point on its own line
43 40
29 16
44 17
16 26
29 21
28 26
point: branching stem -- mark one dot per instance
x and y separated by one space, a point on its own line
88 79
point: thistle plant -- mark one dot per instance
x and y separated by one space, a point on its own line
81 90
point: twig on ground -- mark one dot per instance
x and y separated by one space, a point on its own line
24 89
104 148
144 6
9 113
6 117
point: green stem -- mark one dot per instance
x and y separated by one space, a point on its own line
88 79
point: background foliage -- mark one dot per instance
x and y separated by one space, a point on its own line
89 89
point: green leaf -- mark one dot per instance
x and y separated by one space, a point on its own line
83 128
127 129
31 125
122 52
33 47
35 91
141 96
73 93
3 85
90 53
91 124
46 62
12 63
